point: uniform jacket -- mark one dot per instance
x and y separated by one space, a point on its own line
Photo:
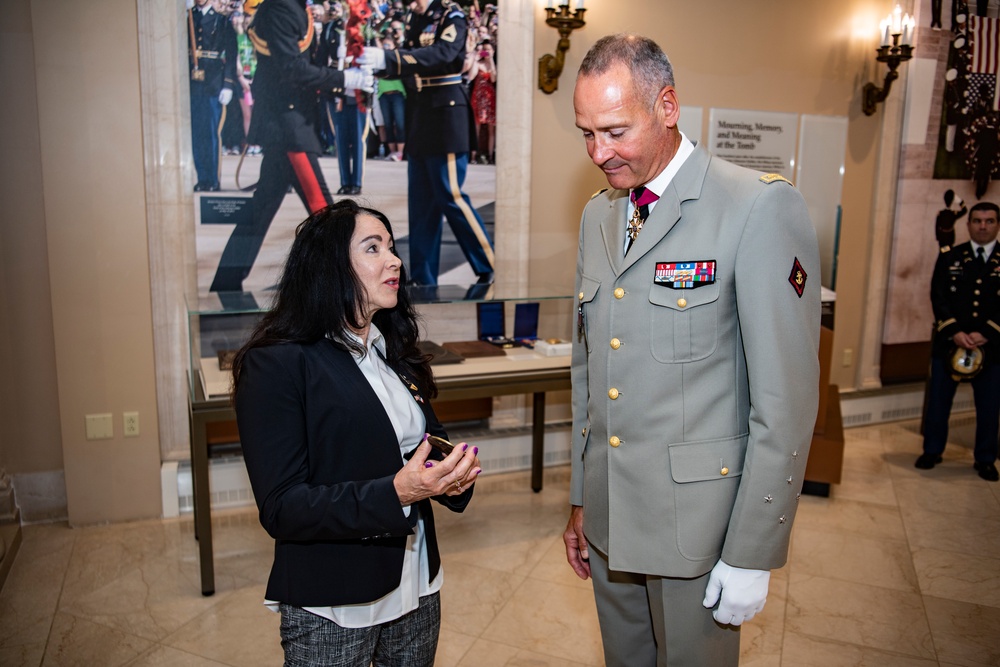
438 118
716 387
321 454
965 294
287 85
215 46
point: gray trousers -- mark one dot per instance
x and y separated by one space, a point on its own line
648 620
409 641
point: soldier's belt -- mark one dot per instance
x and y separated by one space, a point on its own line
431 81
208 55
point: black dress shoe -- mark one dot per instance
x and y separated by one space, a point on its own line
344 190
198 187
485 278
213 188
987 471
927 461
356 190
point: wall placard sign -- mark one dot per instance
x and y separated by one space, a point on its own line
224 210
761 140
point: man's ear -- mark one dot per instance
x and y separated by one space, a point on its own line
668 107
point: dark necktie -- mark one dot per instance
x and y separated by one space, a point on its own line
981 254
641 199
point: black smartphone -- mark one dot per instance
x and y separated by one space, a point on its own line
440 444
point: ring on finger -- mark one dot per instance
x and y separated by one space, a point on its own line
458 485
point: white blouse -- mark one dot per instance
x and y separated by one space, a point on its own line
410 425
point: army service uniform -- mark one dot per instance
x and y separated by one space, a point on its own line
695 380
965 295
284 125
440 133
212 60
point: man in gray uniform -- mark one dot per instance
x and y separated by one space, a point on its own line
695 372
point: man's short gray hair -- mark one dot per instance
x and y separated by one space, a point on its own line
650 68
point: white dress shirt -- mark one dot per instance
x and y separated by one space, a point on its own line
660 182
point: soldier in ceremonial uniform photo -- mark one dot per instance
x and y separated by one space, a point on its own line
286 89
439 137
212 60
695 372
965 294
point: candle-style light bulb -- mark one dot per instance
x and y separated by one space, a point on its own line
883 31
897 20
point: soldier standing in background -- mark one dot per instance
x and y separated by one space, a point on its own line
212 58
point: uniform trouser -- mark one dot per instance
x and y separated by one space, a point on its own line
350 131
435 190
206 115
986 394
278 170
648 620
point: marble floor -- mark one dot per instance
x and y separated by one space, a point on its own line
899 567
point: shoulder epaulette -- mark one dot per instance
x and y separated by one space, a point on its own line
773 178
594 196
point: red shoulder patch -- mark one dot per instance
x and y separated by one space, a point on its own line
797 278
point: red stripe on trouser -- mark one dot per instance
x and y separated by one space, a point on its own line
307 179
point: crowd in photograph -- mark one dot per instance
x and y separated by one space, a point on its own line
382 131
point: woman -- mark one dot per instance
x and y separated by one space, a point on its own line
483 75
332 398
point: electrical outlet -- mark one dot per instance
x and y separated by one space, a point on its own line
99 427
130 424
848 356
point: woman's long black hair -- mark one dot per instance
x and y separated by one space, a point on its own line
320 296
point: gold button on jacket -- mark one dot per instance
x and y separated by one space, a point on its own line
615 343
682 302
614 441
619 292
613 394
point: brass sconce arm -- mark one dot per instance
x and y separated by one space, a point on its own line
550 66
893 56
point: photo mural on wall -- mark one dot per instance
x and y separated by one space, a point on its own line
949 160
358 154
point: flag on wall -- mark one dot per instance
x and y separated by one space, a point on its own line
984 61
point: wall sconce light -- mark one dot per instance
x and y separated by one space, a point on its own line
896 48
551 66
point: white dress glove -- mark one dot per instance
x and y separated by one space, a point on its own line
225 96
372 57
743 593
359 78
342 52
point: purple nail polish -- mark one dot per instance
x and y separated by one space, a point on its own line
475 450
465 446
428 464
478 470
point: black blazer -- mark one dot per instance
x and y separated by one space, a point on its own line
321 454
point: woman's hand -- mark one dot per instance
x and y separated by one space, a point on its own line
421 478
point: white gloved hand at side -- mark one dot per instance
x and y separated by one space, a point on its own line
372 57
359 78
225 96
741 593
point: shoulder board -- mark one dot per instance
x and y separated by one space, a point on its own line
945 249
594 196
456 14
772 178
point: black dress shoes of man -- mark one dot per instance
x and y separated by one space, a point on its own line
927 461
344 190
355 190
987 471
